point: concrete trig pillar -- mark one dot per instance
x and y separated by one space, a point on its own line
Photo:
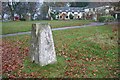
42 46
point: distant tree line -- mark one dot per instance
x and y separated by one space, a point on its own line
41 10
20 8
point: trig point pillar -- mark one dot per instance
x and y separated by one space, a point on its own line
42 46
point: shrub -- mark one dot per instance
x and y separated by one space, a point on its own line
71 16
22 19
53 15
106 19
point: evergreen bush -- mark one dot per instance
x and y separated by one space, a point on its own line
106 19
71 16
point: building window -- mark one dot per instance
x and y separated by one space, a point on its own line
66 16
93 9
60 16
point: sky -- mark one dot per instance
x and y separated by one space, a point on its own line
64 0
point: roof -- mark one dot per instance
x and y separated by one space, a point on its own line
80 9
117 12
98 4
67 9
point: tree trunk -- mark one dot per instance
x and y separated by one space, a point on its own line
12 15
32 16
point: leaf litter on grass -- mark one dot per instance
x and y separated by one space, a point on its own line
79 56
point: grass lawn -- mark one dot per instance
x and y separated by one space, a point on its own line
23 26
90 52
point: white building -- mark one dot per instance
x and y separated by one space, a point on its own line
65 12
92 12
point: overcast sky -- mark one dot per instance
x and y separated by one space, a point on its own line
64 0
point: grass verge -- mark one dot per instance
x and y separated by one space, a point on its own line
90 52
24 26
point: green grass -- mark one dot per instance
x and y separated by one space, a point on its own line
50 70
23 26
86 52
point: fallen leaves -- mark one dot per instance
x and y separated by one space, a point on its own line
12 58
85 55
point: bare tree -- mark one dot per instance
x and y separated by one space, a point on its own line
12 6
0 7
116 5
21 9
46 5
32 7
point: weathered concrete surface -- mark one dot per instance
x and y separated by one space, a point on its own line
42 45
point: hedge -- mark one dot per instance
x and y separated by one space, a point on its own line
71 16
106 19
